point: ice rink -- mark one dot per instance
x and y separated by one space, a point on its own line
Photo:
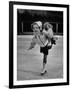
29 64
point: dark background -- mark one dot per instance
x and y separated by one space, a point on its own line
26 17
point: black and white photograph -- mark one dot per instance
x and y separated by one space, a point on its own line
38 44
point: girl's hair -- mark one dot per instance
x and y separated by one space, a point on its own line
38 23
47 25
33 25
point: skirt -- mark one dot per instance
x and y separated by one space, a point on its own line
45 49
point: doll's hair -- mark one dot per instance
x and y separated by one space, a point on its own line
47 25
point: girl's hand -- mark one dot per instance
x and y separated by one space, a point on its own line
25 51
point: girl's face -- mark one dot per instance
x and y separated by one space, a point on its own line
36 28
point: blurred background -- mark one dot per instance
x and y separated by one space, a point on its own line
27 17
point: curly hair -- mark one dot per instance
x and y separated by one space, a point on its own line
47 25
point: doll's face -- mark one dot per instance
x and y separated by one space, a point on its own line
46 27
36 28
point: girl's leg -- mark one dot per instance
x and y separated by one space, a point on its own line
44 64
44 61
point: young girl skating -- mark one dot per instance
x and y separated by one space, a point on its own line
44 38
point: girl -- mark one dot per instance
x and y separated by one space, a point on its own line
38 35
41 37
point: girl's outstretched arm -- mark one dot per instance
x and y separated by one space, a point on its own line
33 43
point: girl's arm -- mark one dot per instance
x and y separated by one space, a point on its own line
33 43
